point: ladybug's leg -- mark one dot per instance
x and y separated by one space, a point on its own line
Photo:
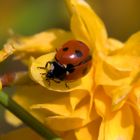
56 81
41 68
48 80
43 73
66 85
49 62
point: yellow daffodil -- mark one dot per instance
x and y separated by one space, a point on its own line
104 104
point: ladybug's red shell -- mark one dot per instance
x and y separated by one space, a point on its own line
79 71
72 52
76 53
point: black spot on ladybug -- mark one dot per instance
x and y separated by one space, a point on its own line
78 53
65 49
84 71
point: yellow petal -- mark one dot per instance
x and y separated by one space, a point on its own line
76 120
102 102
119 95
87 26
12 119
84 37
84 83
42 42
46 103
7 50
71 118
65 104
29 95
137 132
135 96
110 99
21 134
69 135
38 44
89 132
113 45
117 125
69 123
106 74
129 53
136 114
132 46
76 96
120 62
134 102
60 106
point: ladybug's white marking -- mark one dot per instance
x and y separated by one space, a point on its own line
72 56
67 73
51 67
64 65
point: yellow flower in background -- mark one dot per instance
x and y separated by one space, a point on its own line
104 104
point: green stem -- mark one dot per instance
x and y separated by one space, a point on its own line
28 119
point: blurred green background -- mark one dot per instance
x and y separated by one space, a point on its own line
27 17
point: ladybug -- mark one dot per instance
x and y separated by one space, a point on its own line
72 61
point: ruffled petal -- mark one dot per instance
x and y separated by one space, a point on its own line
38 44
120 62
137 132
134 97
127 58
7 51
116 74
131 46
117 125
28 95
90 28
64 113
45 106
114 70
69 123
102 102
90 131
60 106
76 96
69 135
134 102
119 95
65 104
106 74
113 45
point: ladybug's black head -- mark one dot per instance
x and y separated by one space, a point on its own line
50 74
